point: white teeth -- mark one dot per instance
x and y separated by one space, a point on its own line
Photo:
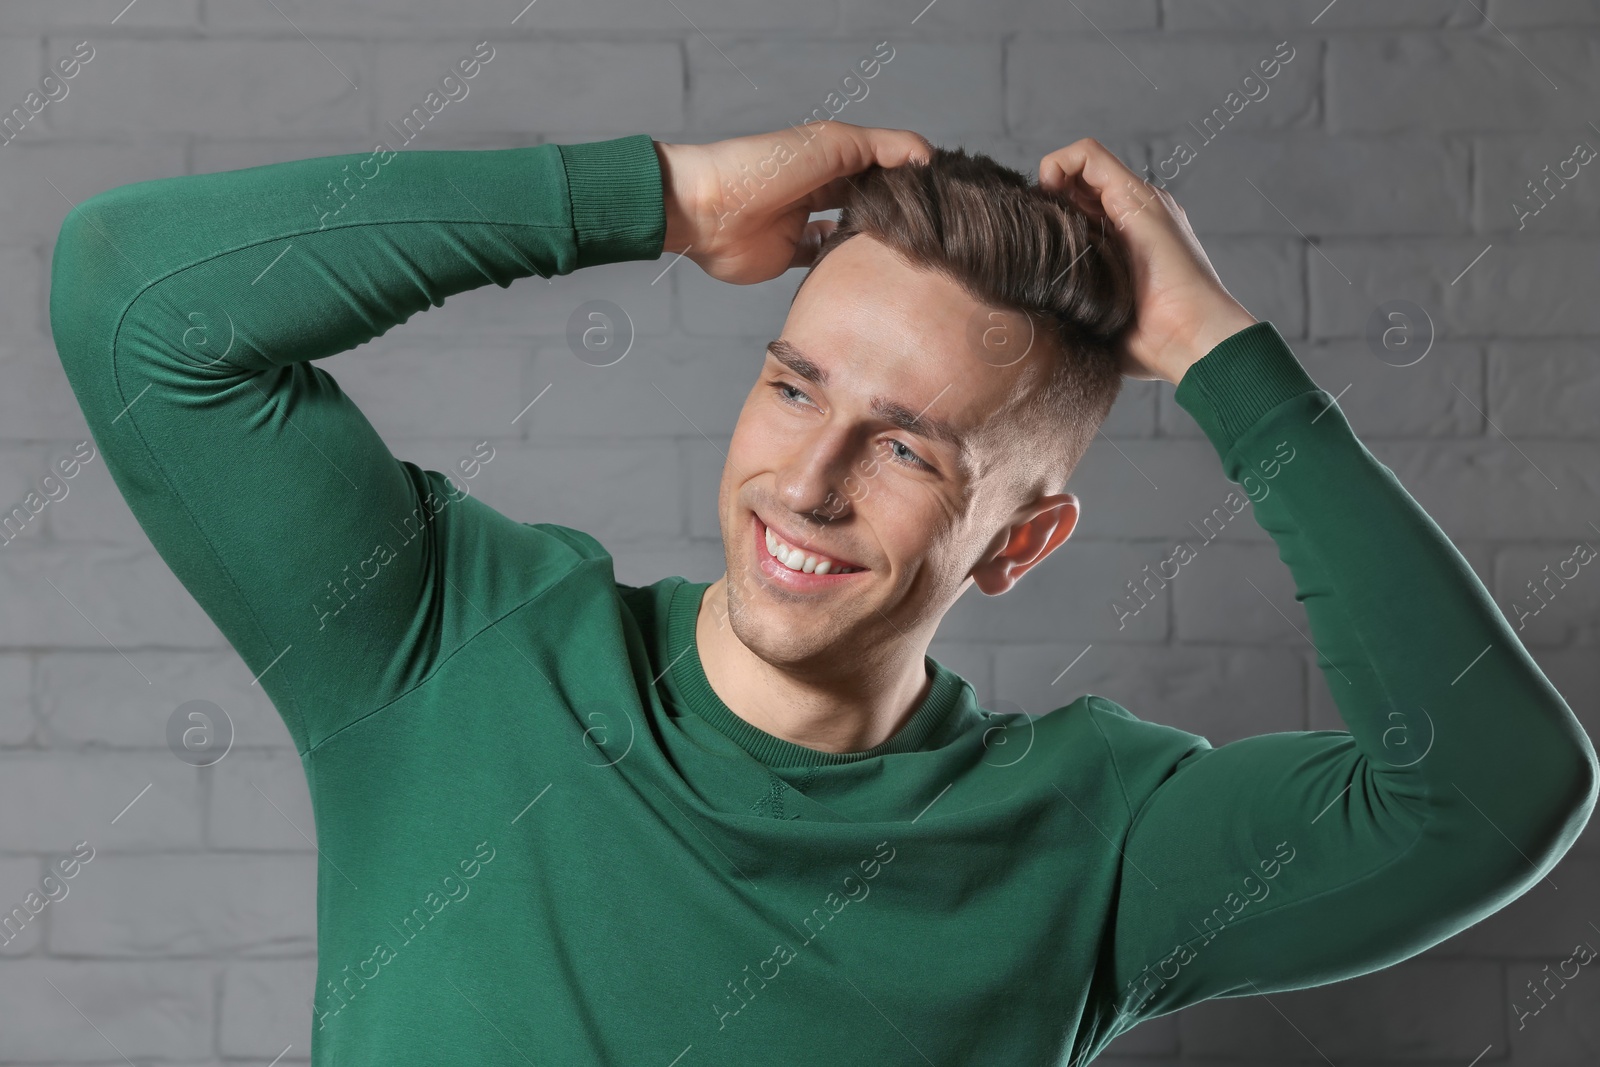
797 560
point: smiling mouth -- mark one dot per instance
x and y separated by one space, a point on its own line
773 557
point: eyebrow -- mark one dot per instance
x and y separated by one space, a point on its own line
889 410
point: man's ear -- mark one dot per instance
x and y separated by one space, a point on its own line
1033 534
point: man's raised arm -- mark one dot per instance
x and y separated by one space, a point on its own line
187 311
1295 859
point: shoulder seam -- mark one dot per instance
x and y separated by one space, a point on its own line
1111 752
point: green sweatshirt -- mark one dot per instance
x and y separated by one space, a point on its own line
544 839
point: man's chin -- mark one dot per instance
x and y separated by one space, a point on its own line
782 631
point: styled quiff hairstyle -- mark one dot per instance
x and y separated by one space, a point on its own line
1018 248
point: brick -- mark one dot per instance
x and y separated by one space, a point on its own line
1507 13
494 19
264 1008
1136 412
1266 275
409 387
17 726
712 308
1029 16
971 660
1417 1010
1565 194
616 493
1118 500
1517 289
31 209
1460 80
22 313
37 402
1213 601
796 78
23 520
93 511
20 876
23 64
190 905
145 1009
1221 694
626 88
1542 389
1068 597
126 596
1084 84
261 801
72 798
1432 398
697 561
1320 15
232 87
1312 184
85 698
663 387
1452 482
94 16
1566 1030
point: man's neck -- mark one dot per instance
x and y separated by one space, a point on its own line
839 713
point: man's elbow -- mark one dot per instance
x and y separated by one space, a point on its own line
91 273
1577 788
1562 798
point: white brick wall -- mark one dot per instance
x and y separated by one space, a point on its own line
1383 161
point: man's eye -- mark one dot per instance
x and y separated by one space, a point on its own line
912 460
785 389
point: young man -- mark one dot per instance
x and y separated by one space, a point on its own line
564 820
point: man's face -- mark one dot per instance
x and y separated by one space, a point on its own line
918 513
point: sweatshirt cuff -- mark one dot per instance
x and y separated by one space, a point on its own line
1231 387
615 189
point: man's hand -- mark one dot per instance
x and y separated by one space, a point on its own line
1181 308
740 208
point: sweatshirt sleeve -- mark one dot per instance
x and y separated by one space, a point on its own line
1294 859
187 312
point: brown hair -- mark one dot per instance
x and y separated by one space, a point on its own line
1018 248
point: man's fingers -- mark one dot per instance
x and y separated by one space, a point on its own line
1087 159
1088 171
842 149
894 148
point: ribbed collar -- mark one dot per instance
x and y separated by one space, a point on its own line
689 678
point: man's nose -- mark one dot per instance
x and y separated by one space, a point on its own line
813 483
